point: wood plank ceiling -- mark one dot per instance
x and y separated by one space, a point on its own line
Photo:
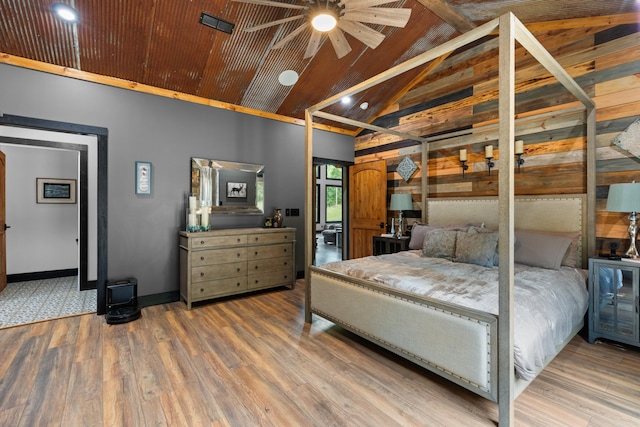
160 43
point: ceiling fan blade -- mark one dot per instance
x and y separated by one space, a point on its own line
272 3
339 42
365 34
290 36
361 4
314 44
272 23
379 15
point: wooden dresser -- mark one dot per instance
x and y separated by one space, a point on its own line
233 261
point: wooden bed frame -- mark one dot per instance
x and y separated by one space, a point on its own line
376 312
510 30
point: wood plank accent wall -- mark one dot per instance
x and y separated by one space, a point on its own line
462 92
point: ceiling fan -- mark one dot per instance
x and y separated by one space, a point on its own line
334 18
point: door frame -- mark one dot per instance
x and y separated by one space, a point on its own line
318 161
102 137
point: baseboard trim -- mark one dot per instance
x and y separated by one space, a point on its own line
157 299
41 275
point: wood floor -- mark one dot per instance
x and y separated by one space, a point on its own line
251 361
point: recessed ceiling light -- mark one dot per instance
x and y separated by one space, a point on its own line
364 105
346 100
288 78
65 12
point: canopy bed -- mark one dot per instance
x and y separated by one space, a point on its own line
419 327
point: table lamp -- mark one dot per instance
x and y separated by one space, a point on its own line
626 198
401 202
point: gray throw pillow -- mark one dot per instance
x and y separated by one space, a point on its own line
439 243
476 248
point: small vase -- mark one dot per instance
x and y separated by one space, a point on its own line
276 220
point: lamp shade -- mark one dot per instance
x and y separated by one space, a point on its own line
401 202
623 197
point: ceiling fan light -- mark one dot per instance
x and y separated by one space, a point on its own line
324 22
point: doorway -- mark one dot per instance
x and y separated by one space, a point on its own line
100 218
330 210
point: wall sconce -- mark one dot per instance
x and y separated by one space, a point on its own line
463 160
520 153
488 154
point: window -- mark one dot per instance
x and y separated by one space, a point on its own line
317 203
333 202
334 172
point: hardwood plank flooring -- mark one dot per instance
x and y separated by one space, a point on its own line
252 361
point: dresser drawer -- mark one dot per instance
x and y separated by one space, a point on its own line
263 238
218 256
270 251
257 281
217 241
219 271
214 288
270 264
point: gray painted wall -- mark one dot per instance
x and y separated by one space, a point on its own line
142 230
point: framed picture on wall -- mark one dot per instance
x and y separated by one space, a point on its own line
54 190
143 178
236 190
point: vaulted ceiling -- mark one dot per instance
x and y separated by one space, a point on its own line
161 44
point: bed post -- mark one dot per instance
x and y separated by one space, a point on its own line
309 240
506 163
425 181
591 185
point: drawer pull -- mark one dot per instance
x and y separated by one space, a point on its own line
285 250
202 242
238 255
201 274
257 281
286 237
257 238
256 252
285 263
256 267
201 289
238 270
201 258
238 284
238 240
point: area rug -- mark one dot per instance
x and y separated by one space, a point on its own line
38 300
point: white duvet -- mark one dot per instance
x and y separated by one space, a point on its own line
547 303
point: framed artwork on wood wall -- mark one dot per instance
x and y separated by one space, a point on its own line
54 190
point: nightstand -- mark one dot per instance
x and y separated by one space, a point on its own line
614 300
389 245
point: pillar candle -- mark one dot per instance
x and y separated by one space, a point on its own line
463 155
192 220
488 151
204 219
192 203
519 146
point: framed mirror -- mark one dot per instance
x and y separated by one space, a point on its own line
228 187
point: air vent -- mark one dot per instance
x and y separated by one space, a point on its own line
216 23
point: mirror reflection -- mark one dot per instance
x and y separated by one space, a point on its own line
228 187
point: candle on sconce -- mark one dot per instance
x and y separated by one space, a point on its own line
488 151
519 146
463 155
192 203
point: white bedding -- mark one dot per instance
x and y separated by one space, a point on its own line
547 303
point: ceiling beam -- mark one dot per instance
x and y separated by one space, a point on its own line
448 14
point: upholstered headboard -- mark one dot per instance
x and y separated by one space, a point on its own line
543 213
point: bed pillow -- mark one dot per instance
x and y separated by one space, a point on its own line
539 249
476 248
440 243
418 231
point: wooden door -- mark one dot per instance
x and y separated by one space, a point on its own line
3 240
367 206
